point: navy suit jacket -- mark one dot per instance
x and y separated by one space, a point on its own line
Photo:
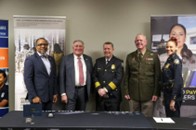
38 82
67 75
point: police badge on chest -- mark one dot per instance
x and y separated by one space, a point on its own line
2 95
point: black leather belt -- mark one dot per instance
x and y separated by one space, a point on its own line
78 87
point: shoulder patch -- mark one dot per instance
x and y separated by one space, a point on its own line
176 61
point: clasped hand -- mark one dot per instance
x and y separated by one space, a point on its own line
101 92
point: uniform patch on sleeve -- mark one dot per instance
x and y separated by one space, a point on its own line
176 61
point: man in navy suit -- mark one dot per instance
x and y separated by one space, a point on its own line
40 76
74 93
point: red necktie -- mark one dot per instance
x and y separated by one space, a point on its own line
81 73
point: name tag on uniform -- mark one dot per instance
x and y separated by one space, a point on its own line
149 59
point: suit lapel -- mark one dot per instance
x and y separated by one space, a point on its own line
42 66
136 56
146 54
86 62
71 62
51 65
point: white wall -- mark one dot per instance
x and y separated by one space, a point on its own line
94 22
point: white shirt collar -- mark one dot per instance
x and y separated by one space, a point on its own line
76 57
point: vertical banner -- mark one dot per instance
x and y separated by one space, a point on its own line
160 27
26 30
4 64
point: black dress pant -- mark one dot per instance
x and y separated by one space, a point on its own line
78 103
178 102
47 105
107 104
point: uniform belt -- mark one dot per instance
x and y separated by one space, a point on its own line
78 87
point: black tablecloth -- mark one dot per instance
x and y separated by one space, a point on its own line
93 121
79 120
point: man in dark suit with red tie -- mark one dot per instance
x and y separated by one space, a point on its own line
40 76
75 78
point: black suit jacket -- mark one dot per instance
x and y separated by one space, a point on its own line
37 80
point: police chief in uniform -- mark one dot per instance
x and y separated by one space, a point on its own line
107 75
172 80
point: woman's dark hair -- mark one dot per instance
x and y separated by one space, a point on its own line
180 25
185 52
3 72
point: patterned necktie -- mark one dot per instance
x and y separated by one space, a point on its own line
81 73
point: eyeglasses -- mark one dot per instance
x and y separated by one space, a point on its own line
42 44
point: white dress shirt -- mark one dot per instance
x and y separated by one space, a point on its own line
76 68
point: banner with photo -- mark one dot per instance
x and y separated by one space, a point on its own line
4 65
26 30
160 27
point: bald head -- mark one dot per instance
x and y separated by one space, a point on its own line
141 42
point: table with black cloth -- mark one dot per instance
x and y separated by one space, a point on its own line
91 121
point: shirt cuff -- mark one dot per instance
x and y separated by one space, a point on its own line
105 90
63 94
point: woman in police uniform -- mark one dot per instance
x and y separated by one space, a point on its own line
172 80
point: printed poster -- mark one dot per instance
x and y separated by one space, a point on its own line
4 57
26 30
160 28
